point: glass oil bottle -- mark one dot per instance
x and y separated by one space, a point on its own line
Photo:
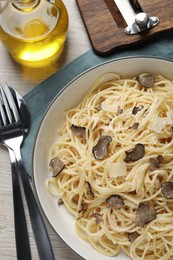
34 31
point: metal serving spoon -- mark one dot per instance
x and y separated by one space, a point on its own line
14 125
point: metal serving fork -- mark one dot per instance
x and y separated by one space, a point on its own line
14 124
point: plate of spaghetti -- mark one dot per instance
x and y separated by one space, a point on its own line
103 161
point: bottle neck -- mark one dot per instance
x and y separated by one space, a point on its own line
25 5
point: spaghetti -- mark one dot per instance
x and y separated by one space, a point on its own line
116 147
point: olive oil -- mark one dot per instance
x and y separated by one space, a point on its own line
34 32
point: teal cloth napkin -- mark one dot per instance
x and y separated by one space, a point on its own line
41 96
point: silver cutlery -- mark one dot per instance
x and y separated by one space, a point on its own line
136 19
14 125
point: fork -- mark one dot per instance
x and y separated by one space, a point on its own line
13 127
21 231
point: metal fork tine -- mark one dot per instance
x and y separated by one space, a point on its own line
3 120
12 104
6 113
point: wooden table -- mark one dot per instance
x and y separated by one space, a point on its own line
24 80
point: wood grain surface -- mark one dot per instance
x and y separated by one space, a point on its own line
105 25
24 80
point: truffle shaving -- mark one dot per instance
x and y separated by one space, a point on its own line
115 201
56 166
78 131
97 216
146 80
137 109
84 207
89 189
60 202
155 162
135 154
134 126
100 150
132 236
167 189
144 214
119 110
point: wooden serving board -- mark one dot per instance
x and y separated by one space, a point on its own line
105 25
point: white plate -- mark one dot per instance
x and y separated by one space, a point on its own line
71 95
